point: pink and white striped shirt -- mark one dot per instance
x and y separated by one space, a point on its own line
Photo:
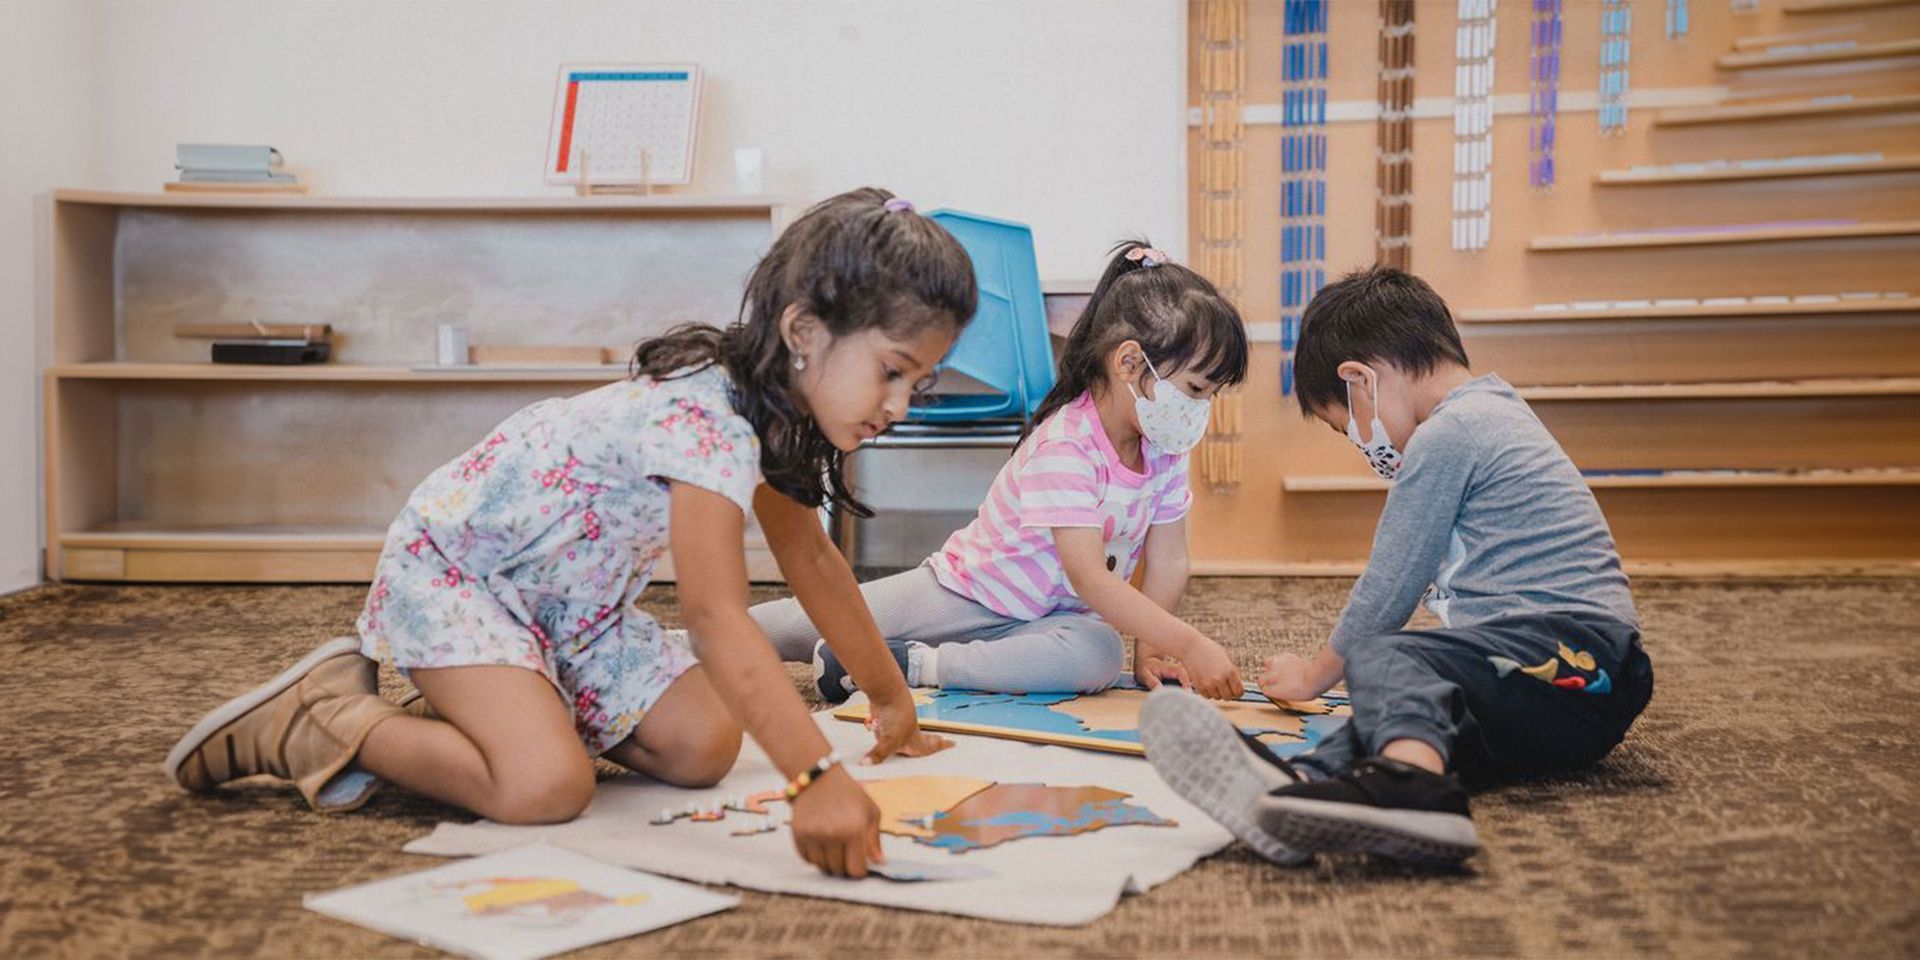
1066 474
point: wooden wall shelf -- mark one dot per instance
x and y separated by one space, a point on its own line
1683 480
626 205
1842 6
1761 234
1619 178
333 373
1786 347
1771 389
1703 311
1789 110
1760 59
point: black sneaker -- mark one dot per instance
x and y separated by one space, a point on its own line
1215 767
1380 806
832 680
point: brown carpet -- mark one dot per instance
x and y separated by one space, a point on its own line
1765 806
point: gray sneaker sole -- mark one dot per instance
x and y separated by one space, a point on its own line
1199 754
1413 836
239 706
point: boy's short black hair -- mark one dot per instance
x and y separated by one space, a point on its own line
1374 315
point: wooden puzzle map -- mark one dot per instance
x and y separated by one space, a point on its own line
955 814
1109 720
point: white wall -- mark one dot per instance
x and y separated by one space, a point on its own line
47 114
1067 115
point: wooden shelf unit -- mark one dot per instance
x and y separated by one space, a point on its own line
1815 403
1704 311
334 373
1843 6
1785 233
1787 110
163 467
1761 59
1768 389
1635 178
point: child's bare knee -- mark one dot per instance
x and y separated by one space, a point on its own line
702 759
543 794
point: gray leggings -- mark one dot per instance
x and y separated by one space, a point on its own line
979 649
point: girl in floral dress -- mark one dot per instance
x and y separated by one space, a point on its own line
508 586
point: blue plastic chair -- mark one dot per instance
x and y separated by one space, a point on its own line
1006 345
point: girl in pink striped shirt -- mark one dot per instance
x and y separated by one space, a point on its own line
1034 594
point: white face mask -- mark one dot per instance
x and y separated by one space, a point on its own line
1172 421
1380 454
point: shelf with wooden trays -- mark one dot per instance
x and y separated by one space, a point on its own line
1760 233
1734 173
1805 54
1676 479
1700 311
1754 389
1787 110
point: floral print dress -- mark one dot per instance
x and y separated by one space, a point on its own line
531 549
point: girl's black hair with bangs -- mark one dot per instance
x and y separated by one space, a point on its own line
1181 321
857 261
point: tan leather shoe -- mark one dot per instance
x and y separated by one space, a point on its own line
305 726
415 705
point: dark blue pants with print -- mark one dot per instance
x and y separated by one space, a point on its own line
1539 693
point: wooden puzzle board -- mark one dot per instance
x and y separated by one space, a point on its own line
1108 721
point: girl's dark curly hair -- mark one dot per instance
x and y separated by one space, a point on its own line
853 261
1177 316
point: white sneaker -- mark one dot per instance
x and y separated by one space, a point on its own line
1205 759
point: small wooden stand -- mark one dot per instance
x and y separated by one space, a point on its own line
585 187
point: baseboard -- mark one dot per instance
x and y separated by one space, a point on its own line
1675 569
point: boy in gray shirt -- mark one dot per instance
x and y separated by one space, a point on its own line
1538 667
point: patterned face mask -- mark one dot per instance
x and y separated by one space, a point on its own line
1172 421
1379 451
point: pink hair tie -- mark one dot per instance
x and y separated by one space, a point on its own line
899 205
1148 256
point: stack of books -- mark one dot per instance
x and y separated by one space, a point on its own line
232 166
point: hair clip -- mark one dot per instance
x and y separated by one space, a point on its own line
899 205
1148 256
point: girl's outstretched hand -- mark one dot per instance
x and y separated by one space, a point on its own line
896 729
836 826
1214 675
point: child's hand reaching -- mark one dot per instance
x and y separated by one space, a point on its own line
896 729
1289 676
1155 669
836 826
1211 671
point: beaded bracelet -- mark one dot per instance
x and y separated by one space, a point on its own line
807 776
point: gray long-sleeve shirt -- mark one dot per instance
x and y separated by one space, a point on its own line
1487 519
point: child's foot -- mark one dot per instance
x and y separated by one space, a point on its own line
832 679
304 725
1208 761
1380 806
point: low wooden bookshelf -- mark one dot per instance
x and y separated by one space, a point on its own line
162 466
